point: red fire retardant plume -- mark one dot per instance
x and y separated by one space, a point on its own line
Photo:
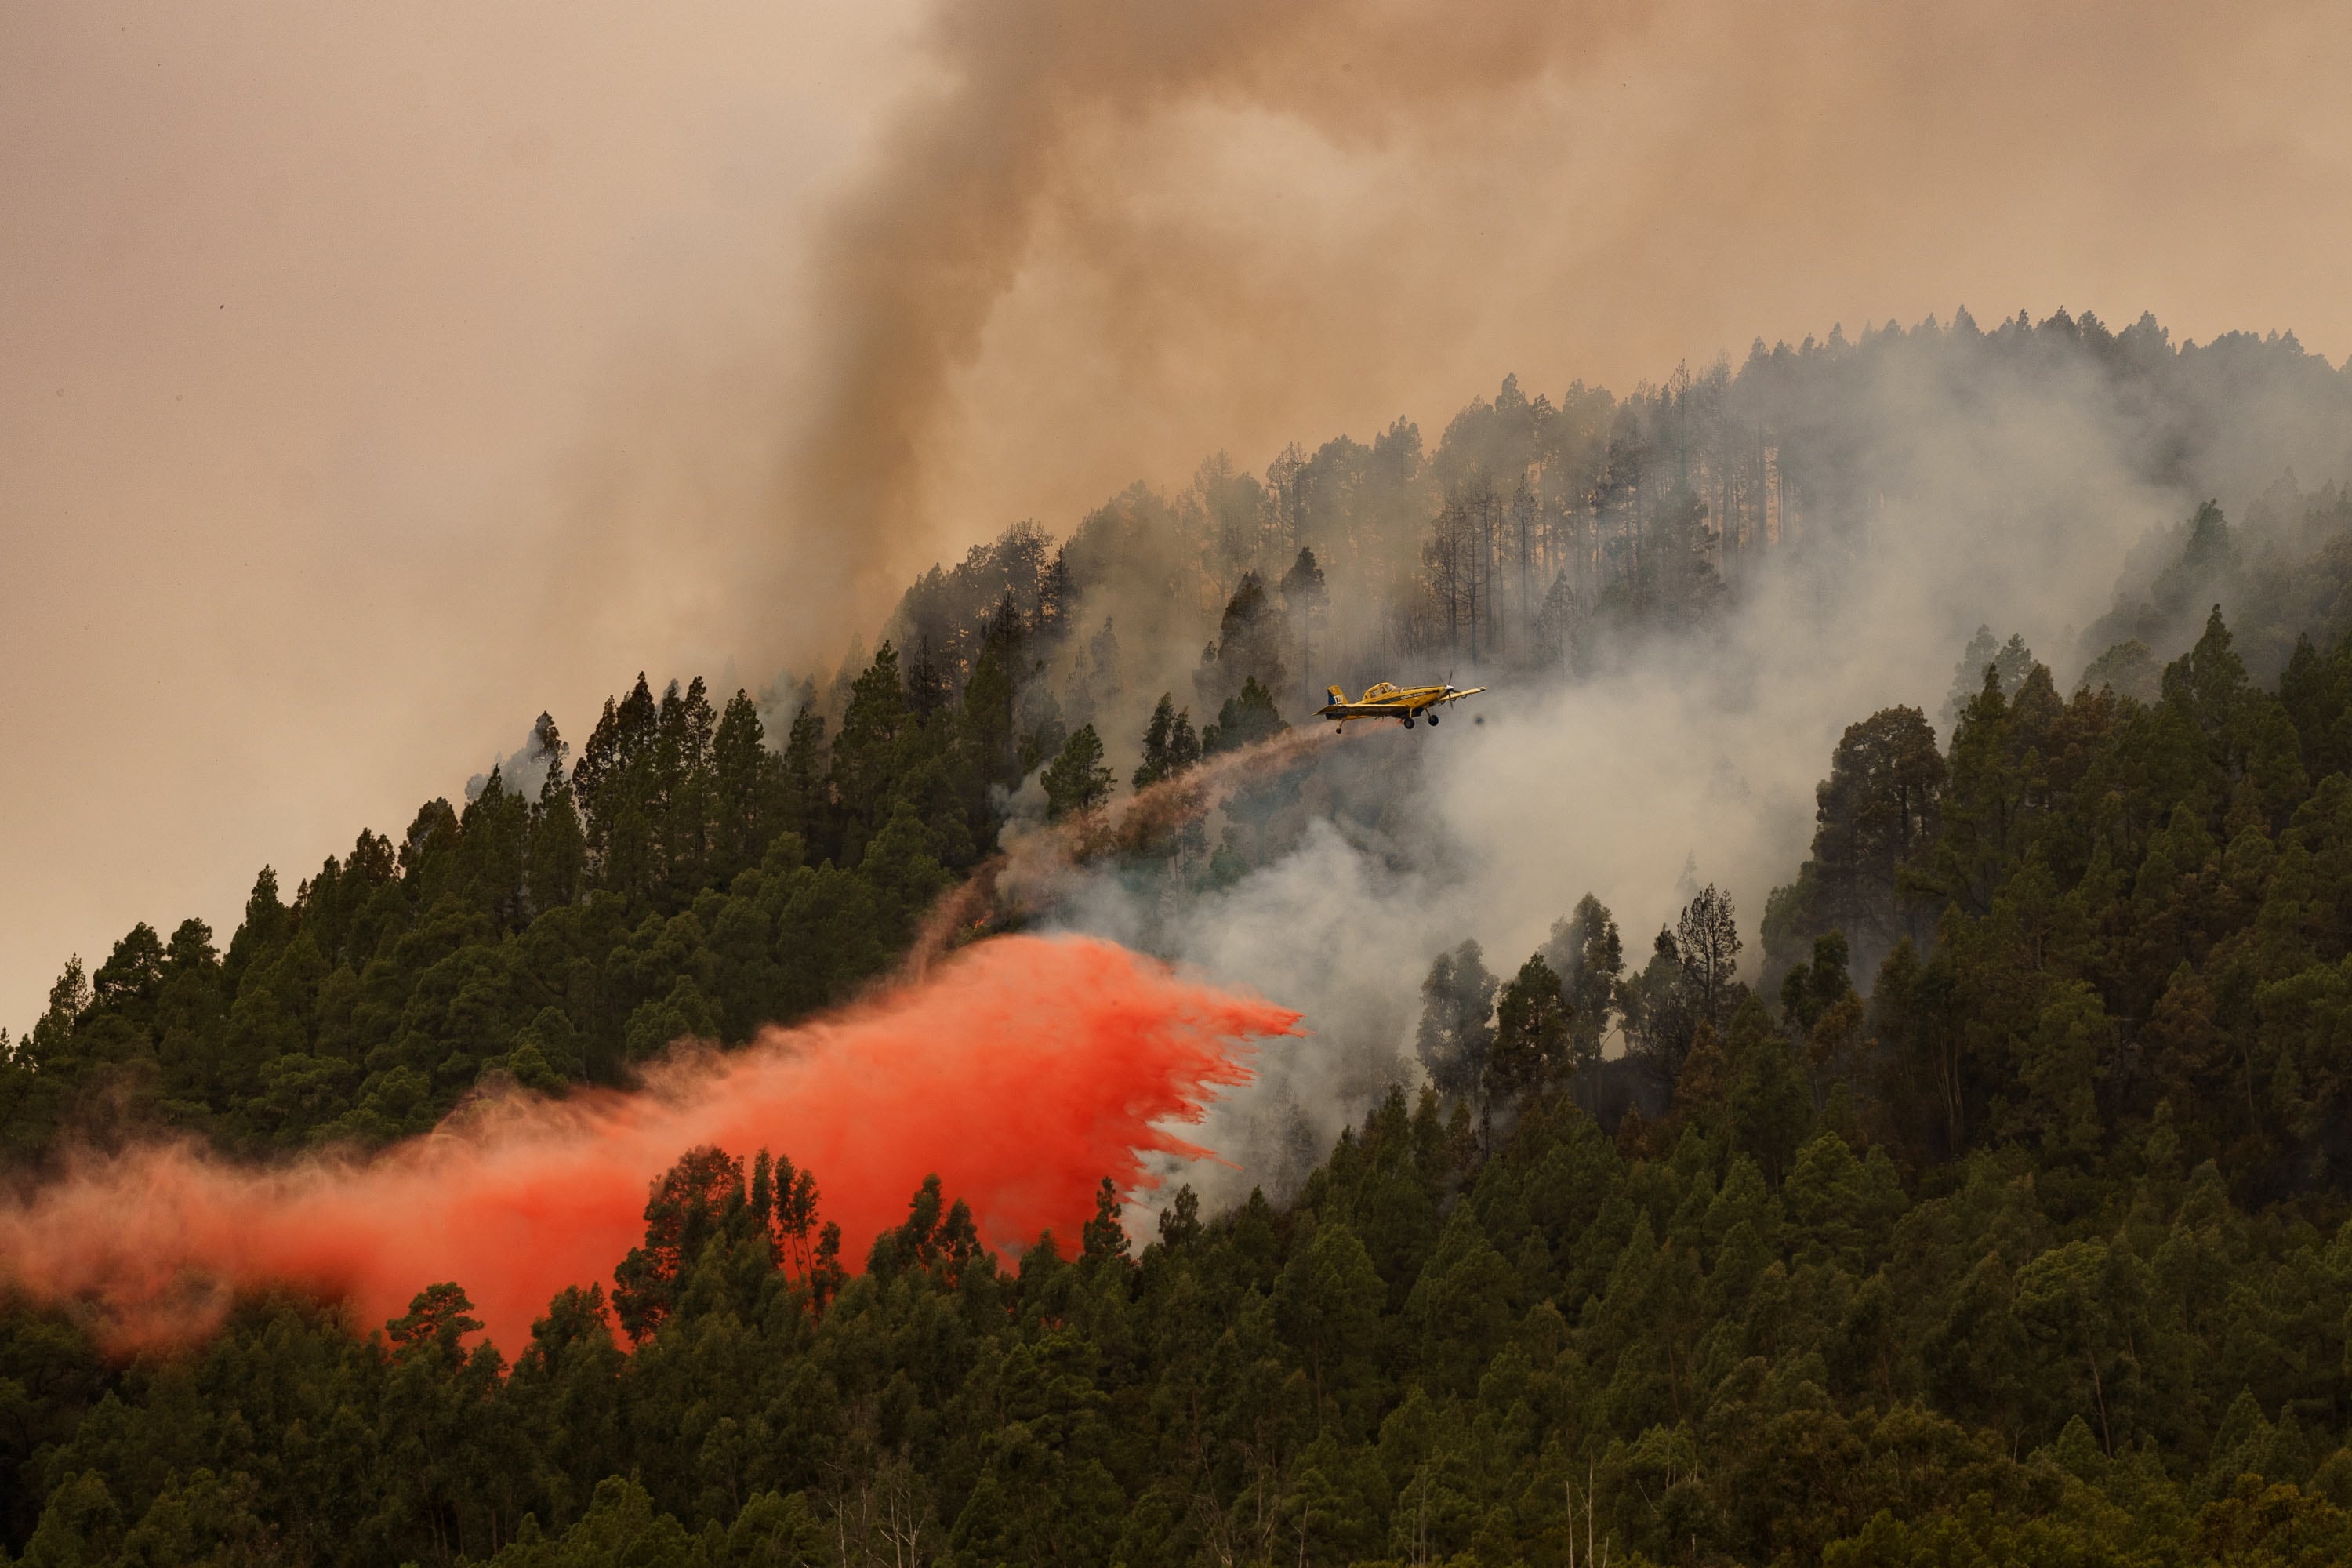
1022 1070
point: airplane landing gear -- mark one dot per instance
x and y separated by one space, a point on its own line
1408 721
1433 718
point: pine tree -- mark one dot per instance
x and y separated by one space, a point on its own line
1587 954
1531 1033
1246 718
1077 781
1169 746
1457 1009
1303 596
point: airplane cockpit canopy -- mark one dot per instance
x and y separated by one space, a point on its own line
1385 689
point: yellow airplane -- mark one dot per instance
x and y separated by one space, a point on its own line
1388 701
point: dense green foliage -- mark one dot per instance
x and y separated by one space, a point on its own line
1833 1364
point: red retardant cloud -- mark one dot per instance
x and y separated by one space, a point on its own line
1022 1070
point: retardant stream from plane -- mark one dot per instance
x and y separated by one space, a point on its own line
1022 1069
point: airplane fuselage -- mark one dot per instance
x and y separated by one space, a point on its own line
1389 701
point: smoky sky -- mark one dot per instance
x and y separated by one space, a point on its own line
372 380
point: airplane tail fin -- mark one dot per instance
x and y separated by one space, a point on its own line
1337 696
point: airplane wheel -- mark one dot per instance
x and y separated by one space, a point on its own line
1408 721
1433 718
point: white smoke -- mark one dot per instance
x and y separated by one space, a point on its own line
1692 759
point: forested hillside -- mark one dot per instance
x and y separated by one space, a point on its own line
1545 534
2040 1254
1984 1197
686 878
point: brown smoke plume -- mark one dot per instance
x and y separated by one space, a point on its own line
1112 237
921 255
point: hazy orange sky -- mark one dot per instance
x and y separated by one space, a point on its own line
372 378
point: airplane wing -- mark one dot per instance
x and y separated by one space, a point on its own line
1458 695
